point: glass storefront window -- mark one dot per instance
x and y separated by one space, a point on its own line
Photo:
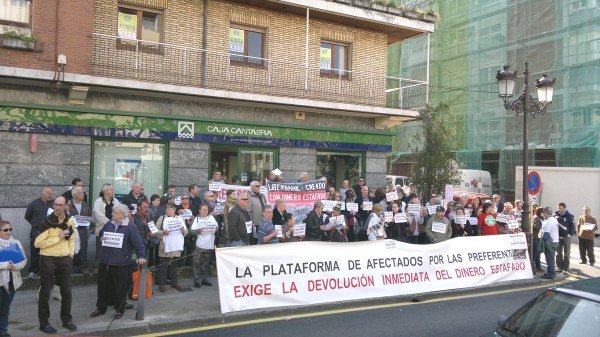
339 166
122 163
241 164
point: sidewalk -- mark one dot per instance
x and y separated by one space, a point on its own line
200 306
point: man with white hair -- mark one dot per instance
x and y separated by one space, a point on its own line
303 177
134 196
549 242
81 208
256 205
36 212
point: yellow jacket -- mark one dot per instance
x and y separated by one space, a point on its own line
48 241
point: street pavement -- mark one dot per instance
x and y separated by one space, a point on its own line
174 310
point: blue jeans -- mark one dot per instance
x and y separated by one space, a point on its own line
536 253
551 260
5 301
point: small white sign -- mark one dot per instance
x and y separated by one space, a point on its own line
502 218
588 226
263 190
399 217
513 224
248 227
391 196
178 201
367 206
460 219
279 231
299 229
209 228
113 240
172 224
414 208
439 227
152 227
473 221
186 214
328 205
340 222
134 210
219 208
214 186
388 216
431 209
352 207
82 221
467 212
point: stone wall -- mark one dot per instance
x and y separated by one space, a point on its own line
188 164
292 161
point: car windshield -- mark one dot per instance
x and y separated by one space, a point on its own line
554 314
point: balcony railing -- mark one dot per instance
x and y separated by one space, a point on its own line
182 65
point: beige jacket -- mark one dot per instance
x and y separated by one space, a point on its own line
161 248
16 270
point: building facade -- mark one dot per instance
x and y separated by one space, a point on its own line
165 92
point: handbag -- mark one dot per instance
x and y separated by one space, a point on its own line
136 284
154 241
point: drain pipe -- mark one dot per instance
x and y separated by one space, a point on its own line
204 34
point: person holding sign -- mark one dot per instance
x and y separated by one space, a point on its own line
119 238
204 226
586 227
460 224
12 261
187 213
315 225
396 230
338 223
171 231
267 232
438 227
288 228
351 214
375 225
239 221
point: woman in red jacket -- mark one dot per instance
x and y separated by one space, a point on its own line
487 220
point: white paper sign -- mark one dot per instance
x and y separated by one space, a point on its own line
460 219
82 221
588 226
214 186
367 206
467 212
209 228
172 224
200 223
352 207
263 190
431 209
414 208
473 221
340 222
279 231
399 217
134 210
388 216
299 229
391 196
219 208
248 227
186 214
178 201
513 224
152 227
343 204
502 218
439 227
113 240
328 205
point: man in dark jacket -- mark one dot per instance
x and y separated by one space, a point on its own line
76 182
36 212
566 229
314 223
82 213
238 220
134 196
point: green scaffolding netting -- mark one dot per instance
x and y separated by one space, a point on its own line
472 40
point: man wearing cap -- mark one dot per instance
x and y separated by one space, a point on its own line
314 223
442 230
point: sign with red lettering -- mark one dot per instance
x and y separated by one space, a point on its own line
304 273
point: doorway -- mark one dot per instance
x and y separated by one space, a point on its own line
243 164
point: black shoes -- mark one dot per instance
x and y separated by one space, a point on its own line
119 315
546 276
97 313
70 326
48 329
206 283
128 306
197 284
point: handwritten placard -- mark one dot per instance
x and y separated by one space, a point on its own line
367 206
209 228
388 216
328 205
399 217
513 224
340 222
431 209
172 224
352 207
438 227
219 208
473 221
299 229
588 226
152 227
460 219
391 196
113 240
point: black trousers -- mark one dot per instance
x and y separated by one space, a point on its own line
81 259
34 266
586 246
60 268
112 287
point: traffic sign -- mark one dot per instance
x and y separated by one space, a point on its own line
534 182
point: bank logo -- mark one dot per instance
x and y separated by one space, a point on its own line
185 130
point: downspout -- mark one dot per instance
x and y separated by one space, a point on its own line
428 56
204 28
306 52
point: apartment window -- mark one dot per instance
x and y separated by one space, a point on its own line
16 12
247 45
334 59
140 24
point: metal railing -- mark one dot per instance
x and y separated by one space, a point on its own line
182 65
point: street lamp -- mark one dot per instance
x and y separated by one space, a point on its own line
526 105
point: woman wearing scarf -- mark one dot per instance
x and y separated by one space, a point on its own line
11 275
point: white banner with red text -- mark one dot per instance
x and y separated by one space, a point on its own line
304 273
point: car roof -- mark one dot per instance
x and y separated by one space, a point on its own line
588 289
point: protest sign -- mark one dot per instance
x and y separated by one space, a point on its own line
367 206
439 227
82 221
388 216
399 217
391 196
152 227
300 229
352 207
113 240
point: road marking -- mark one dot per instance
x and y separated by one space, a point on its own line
341 311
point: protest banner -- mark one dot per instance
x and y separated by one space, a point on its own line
299 197
305 273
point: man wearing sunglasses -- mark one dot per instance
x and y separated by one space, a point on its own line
239 221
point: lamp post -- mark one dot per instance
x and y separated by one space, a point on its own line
526 105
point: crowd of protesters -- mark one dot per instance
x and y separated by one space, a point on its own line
147 228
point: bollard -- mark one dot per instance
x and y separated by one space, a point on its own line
139 315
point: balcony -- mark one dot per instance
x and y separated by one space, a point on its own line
183 66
